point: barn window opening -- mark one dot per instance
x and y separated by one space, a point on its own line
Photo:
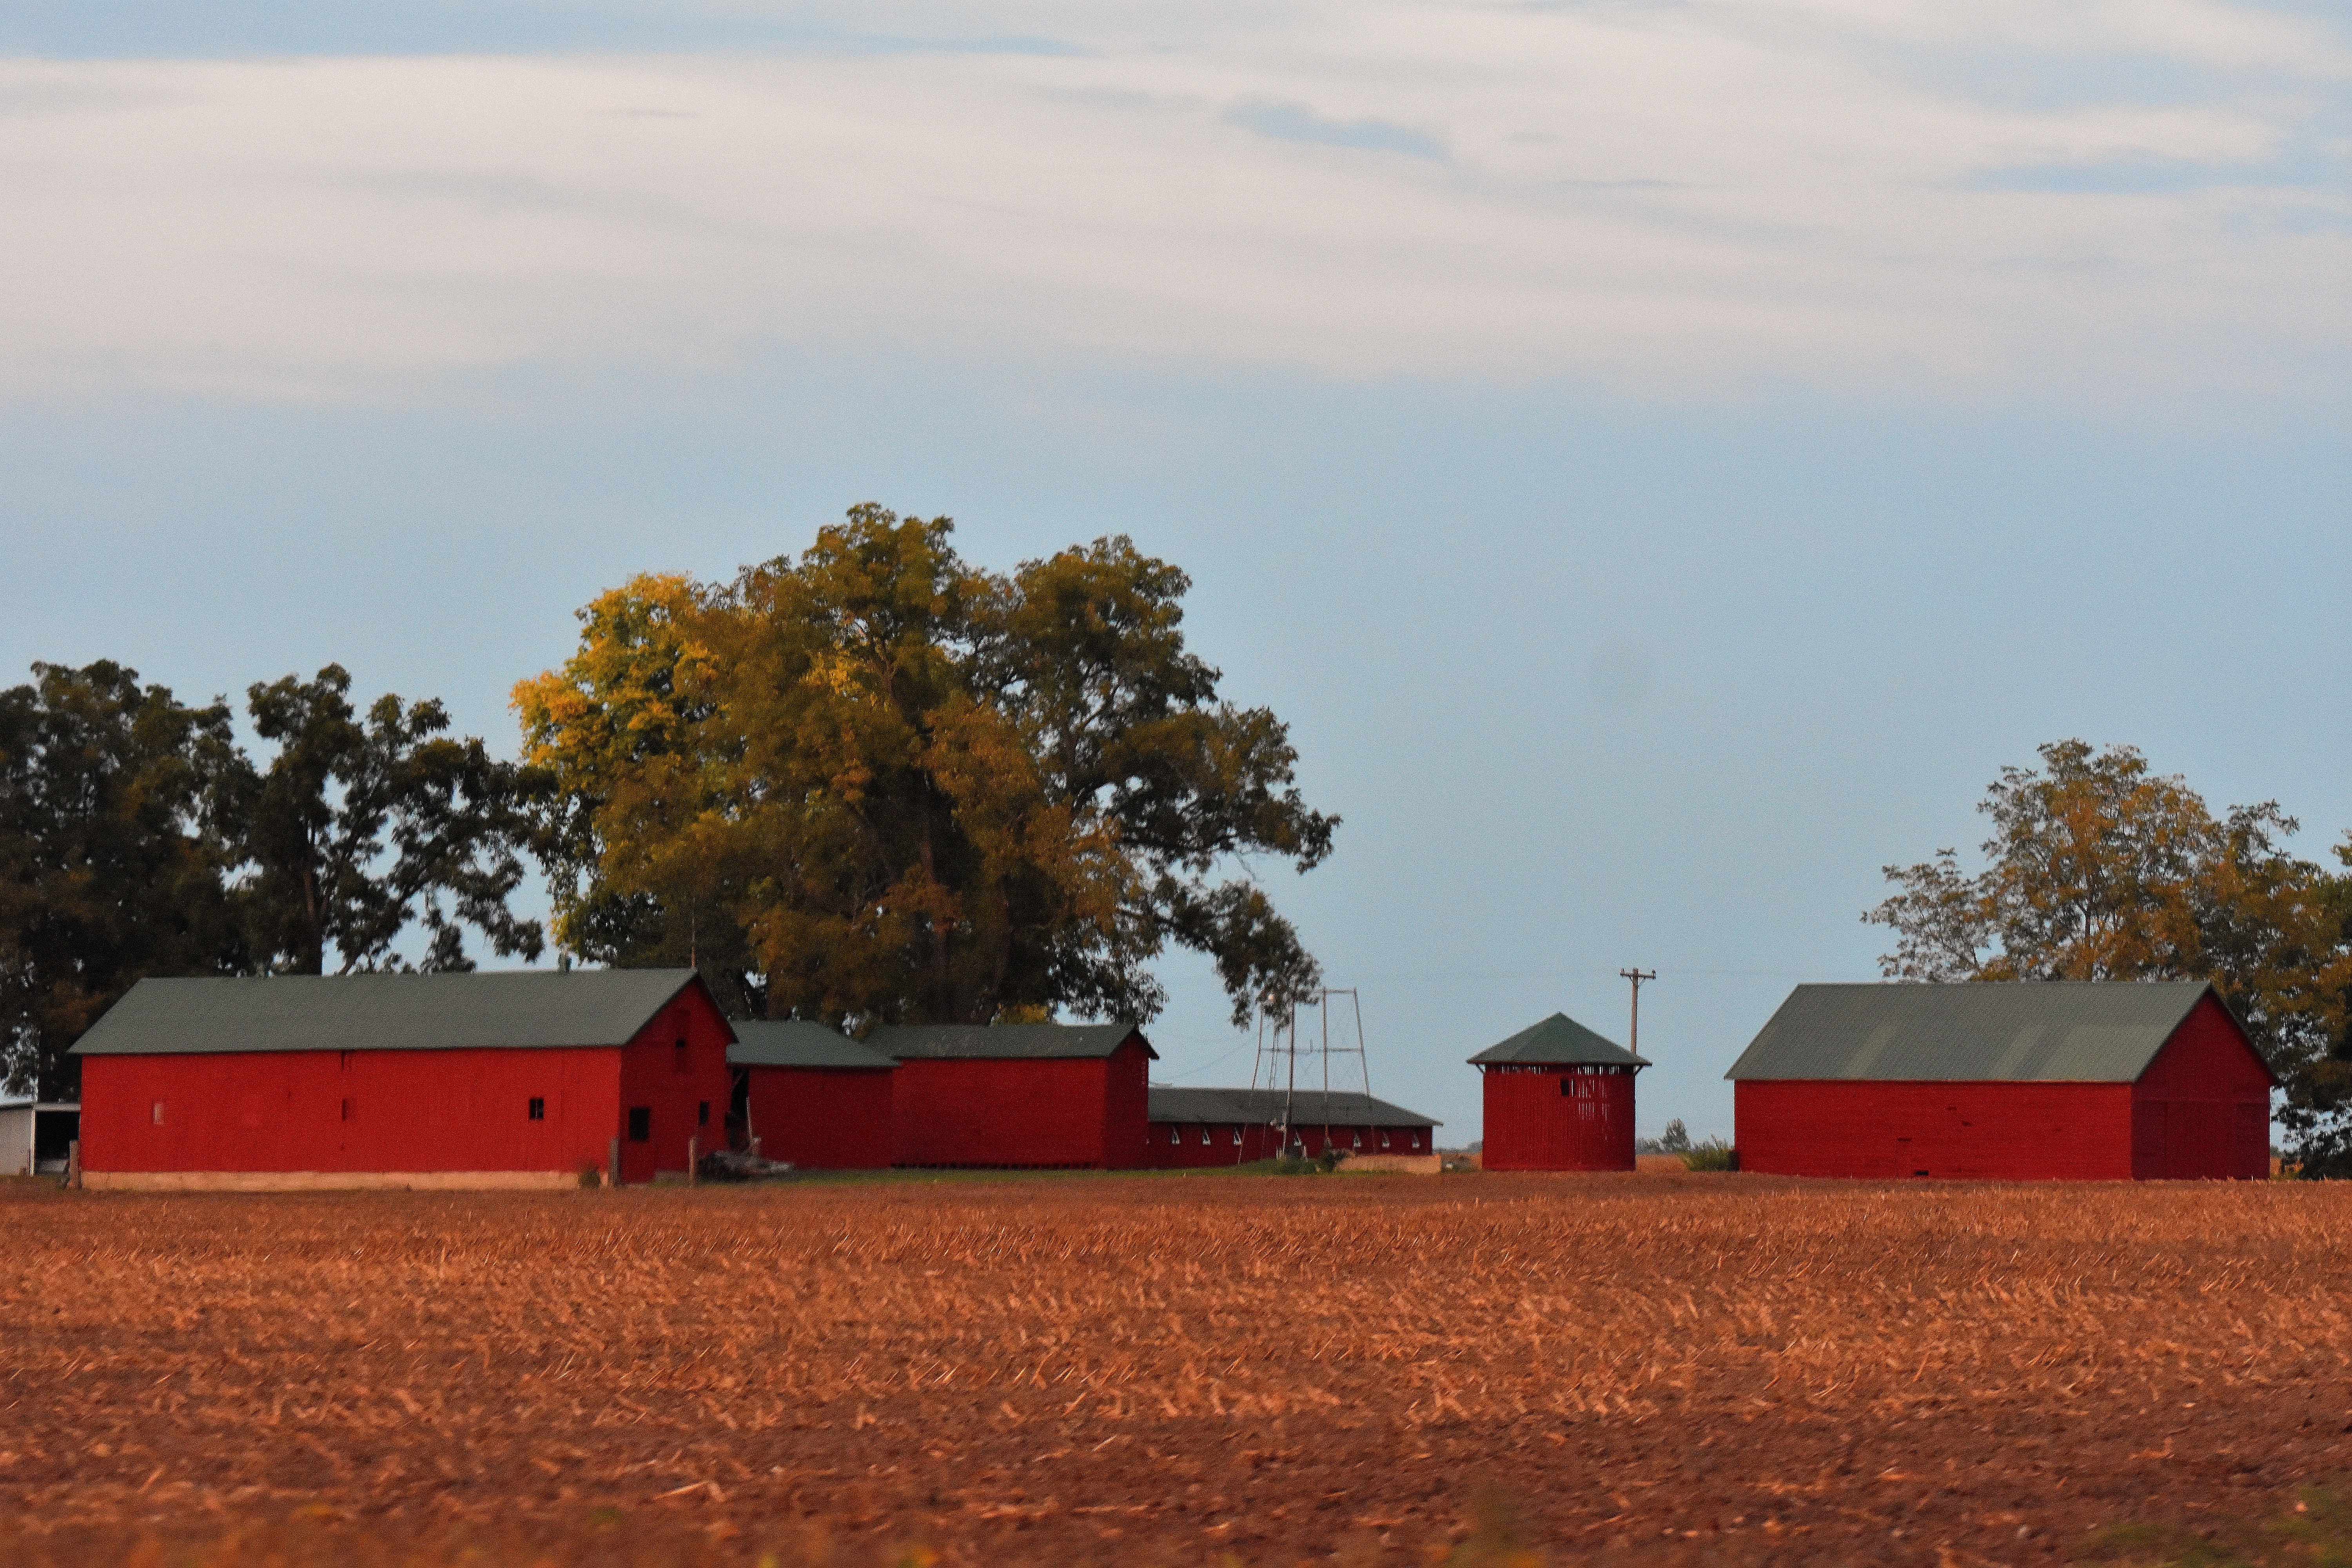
1204 1134
1237 1130
159 1113
1384 1140
1360 1141
702 1114
678 1057
1415 1141
641 1124
347 1109
1175 1135
537 1108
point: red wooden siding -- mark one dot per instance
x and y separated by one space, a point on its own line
349 1111
823 1118
1029 1112
2008 1131
395 1111
1177 1145
2202 1108
1556 1117
685 1087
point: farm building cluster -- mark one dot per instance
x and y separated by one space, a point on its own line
627 1076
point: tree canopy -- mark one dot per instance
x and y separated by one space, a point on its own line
877 784
137 839
2098 869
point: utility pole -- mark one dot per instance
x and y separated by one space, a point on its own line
1636 975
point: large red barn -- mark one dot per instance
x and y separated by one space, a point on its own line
812 1097
1018 1096
2097 1080
455 1080
1192 1127
1558 1098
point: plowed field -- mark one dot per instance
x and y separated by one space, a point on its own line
1172 1369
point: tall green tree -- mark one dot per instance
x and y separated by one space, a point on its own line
362 825
118 823
874 782
2098 869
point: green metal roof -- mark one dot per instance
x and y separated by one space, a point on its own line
384 1012
1559 1039
795 1043
1004 1042
2042 1031
1309 1108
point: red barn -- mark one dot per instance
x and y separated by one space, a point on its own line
1017 1096
2084 1081
812 1097
1197 1127
402 1080
1558 1098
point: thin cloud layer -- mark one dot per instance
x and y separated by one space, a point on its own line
1686 200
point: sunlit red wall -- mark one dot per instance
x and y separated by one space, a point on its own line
1556 1117
823 1118
675 1067
2202 1108
1027 1112
2010 1131
350 1110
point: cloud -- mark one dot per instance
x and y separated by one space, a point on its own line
1296 122
1692 201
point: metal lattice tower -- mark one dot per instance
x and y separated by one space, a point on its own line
1279 1048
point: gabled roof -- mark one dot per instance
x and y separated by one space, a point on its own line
1309 1108
2036 1031
384 1012
795 1043
1559 1039
1004 1042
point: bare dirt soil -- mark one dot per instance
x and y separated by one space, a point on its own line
1655 1367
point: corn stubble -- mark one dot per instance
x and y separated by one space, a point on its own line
1480 1369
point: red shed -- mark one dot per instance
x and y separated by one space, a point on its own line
1196 1127
401 1080
2097 1080
1017 1096
814 1096
1559 1098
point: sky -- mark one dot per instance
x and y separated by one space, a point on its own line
1662 460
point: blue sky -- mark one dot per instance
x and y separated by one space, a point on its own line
1663 460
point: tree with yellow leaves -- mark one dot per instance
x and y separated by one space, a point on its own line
874 784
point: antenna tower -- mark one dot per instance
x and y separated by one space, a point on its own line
1306 1095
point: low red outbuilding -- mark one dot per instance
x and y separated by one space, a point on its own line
1558 1098
503 1080
1198 1127
812 1097
2103 1080
1017 1096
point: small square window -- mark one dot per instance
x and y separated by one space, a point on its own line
537 1108
702 1114
641 1124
